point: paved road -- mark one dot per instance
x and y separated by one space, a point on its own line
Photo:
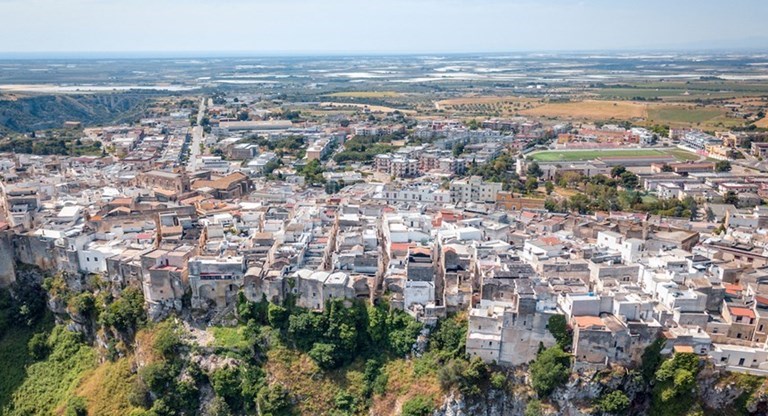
197 139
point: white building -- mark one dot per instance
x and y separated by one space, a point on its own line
474 189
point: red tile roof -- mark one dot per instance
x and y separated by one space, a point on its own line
738 311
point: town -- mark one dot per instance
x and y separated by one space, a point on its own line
601 239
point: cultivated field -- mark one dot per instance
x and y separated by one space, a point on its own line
672 114
580 155
590 110
365 94
507 104
372 108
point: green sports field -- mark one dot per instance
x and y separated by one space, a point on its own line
574 155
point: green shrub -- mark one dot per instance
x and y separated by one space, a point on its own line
498 380
226 383
558 327
38 346
550 370
167 340
533 408
76 406
324 355
418 406
274 401
614 402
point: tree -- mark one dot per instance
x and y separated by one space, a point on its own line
273 401
710 215
167 340
418 406
38 346
731 198
614 402
550 370
226 383
558 327
617 171
277 316
666 168
325 355
549 186
534 170
629 180
458 149
531 184
218 407
723 166
125 313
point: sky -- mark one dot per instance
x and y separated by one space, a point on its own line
378 26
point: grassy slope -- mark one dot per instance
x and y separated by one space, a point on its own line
13 360
107 387
50 383
231 338
405 380
315 389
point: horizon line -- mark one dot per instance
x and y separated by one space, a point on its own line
176 54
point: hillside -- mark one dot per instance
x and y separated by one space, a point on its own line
102 357
51 111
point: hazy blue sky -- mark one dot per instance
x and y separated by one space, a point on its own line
326 26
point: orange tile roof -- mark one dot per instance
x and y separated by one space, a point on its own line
683 349
588 321
552 241
421 250
738 311
399 246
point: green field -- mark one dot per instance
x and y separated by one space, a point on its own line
574 155
682 114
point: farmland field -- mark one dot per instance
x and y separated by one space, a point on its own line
682 114
365 94
575 155
591 109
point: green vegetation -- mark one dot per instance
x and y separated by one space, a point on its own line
50 383
723 166
600 193
682 114
231 338
558 327
51 111
68 144
313 173
107 389
550 370
614 402
675 390
500 169
533 408
365 94
418 406
364 148
574 155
